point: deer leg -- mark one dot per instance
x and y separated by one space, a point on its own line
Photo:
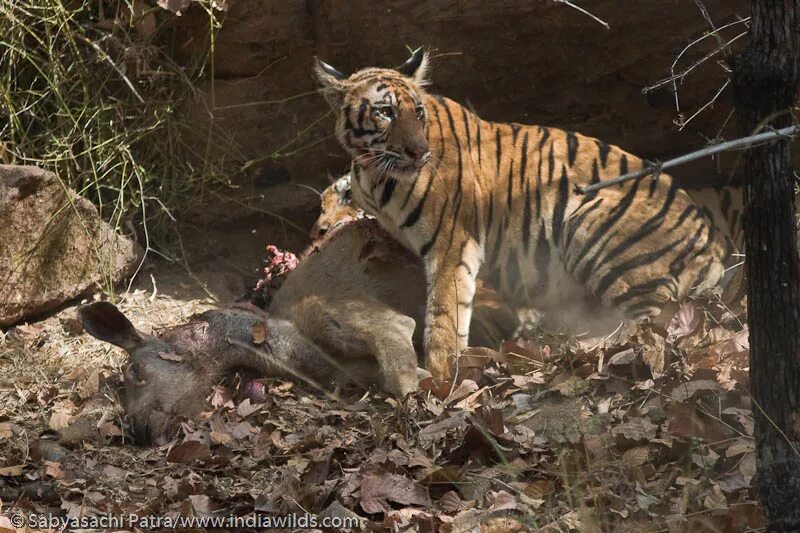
362 328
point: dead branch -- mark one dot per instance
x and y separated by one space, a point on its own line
579 8
679 76
656 168
705 106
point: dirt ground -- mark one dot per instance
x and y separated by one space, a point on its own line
649 432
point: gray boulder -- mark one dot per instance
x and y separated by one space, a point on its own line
53 245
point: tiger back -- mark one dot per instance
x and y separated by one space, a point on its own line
471 197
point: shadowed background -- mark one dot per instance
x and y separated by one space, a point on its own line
536 62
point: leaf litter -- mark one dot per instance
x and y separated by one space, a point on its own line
652 430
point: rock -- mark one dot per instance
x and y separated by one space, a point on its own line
53 245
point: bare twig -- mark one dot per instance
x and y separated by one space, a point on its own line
705 106
107 58
656 168
704 12
579 8
679 76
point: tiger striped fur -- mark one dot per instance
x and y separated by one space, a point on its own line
472 196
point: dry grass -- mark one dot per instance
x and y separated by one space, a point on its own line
91 92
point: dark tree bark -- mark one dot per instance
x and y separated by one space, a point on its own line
765 82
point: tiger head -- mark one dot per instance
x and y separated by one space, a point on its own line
381 115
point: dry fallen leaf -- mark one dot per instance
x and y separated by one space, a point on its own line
53 469
259 333
685 321
201 504
377 491
176 6
168 356
188 452
501 501
636 430
59 420
684 391
245 408
221 397
11 471
220 438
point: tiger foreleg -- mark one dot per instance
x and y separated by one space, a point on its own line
451 289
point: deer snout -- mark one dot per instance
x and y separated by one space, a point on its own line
318 230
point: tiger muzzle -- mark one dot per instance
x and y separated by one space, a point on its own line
418 152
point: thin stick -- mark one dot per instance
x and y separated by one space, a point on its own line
579 8
656 168
705 106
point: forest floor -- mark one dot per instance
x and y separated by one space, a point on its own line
649 432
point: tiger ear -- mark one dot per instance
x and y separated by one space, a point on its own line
416 67
331 82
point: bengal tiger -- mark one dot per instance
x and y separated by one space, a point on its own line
471 197
493 320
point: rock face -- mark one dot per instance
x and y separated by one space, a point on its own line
53 245
536 62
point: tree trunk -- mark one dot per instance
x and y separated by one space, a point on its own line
765 82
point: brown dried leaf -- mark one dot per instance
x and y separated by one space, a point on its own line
636 457
438 430
715 499
539 490
11 471
259 333
747 467
220 438
740 446
222 397
653 351
6 430
59 420
625 357
188 452
176 6
168 356
377 491
501 501
685 321
571 387
744 417
451 502
201 504
684 421
636 430
114 472
739 342
53 469
464 389
109 429
245 408
243 430
684 391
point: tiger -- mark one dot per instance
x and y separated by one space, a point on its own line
474 197
493 319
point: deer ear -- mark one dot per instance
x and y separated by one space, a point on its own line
104 321
416 67
331 82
